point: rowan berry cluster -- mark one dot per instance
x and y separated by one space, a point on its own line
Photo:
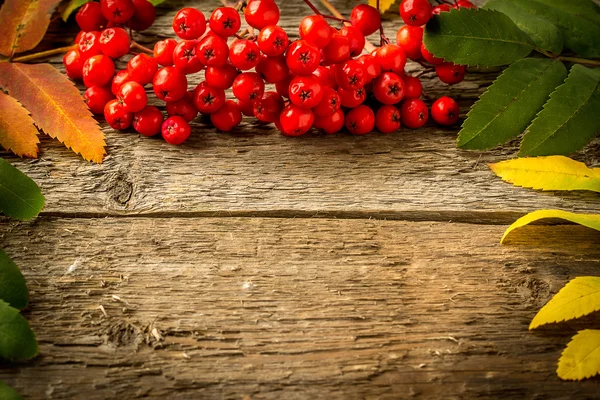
321 80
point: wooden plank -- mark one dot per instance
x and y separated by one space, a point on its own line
277 308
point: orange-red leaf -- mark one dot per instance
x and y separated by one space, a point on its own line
17 132
55 105
24 23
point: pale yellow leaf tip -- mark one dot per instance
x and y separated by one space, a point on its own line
581 358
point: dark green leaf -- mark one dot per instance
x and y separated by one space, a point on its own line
67 8
13 289
569 119
8 393
476 37
544 34
511 103
20 197
17 341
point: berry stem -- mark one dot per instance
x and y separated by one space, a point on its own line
369 46
312 7
41 54
136 45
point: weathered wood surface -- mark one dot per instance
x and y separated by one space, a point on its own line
210 289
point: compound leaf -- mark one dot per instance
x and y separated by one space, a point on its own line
581 358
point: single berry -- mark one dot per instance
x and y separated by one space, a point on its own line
163 52
117 11
387 119
212 51
326 76
366 19
330 124
114 42
414 113
427 56
227 117
410 39
144 15
283 86
189 23
272 40
133 96
337 51
296 121
272 69
353 97
351 75
415 12
73 63
221 77
247 108
388 88
89 44
329 104
450 73
412 87
261 13
148 121
98 71
244 54
96 98
176 130
356 39
142 68
372 66
464 4
185 57
360 120
315 30
437 10
445 111
208 99
120 78
305 91
302 57
391 58
183 107
169 84
90 17
268 108
248 87
225 21
116 116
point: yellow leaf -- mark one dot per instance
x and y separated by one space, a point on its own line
588 220
579 297
548 173
384 5
581 358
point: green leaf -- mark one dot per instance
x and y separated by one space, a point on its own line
8 393
476 37
20 197
17 341
569 119
544 34
581 359
156 2
13 289
511 103
68 8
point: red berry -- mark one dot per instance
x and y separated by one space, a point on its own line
366 18
176 130
445 111
391 58
98 71
90 18
244 54
227 117
414 113
302 57
372 66
330 124
412 87
351 75
73 63
353 97
169 84
305 91
360 120
116 116
221 77
326 76
415 12
114 42
148 121
247 108
189 23
185 58
120 78
248 87
163 52
89 44
261 13
96 98
183 107
133 96
437 10
410 39
329 104
117 11
450 73
144 15
387 119
225 21
268 108
315 30
212 51
272 69
388 88
142 68
430 57
337 51
464 4
208 99
272 40
296 121
282 87
356 39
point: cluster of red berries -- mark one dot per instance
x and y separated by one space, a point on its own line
321 80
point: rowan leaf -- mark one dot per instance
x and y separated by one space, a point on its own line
548 173
510 104
544 34
17 341
17 132
20 197
581 358
156 2
569 119
13 289
55 105
384 5
8 393
476 37
66 9
588 220
24 23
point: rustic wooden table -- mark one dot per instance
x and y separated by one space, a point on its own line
251 265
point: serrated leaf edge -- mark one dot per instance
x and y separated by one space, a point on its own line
569 346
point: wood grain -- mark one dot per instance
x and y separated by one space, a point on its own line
291 308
